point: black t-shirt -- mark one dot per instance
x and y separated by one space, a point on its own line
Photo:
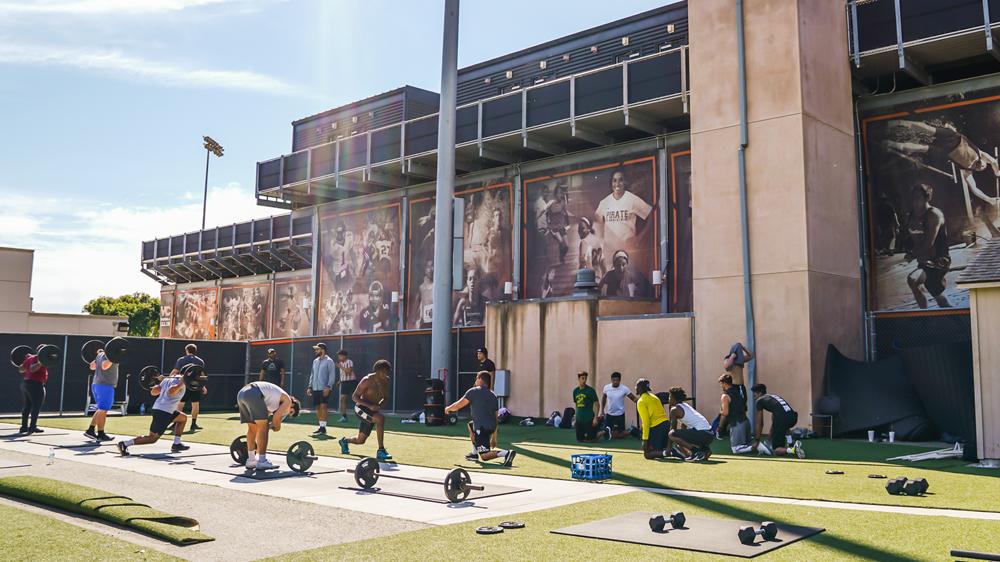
272 370
488 365
189 360
737 404
774 404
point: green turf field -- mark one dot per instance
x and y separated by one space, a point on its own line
545 452
29 536
850 535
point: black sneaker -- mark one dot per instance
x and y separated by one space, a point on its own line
472 457
122 449
91 434
177 447
195 426
35 429
320 431
104 437
509 459
23 430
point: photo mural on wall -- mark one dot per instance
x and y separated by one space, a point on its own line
292 314
933 195
244 311
487 258
359 270
601 216
195 311
681 262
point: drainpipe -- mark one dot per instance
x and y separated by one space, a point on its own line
741 159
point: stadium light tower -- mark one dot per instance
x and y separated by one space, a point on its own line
211 147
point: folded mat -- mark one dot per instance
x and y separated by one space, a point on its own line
99 504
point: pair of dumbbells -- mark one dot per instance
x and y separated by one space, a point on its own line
900 485
659 523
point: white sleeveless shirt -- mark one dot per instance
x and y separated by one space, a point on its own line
693 419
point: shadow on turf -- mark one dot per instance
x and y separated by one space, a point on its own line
828 539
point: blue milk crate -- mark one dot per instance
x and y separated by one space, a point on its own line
590 466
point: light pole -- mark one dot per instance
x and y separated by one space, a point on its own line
211 147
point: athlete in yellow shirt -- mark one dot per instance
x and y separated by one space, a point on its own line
655 427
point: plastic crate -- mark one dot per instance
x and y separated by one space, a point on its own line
590 466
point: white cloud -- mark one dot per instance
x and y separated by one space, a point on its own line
84 249
102 6
162 73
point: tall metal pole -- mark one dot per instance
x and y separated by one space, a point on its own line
204 199
441 320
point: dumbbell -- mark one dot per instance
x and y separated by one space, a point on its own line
768 530
658 523
901 485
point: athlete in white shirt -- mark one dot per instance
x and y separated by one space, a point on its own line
693 440
613 407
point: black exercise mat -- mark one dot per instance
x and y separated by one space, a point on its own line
489 491
273 474
701 534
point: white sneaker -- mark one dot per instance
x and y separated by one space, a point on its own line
251 464
799 451
264 464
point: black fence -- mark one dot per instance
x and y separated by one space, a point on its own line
893 333
68 382
409 352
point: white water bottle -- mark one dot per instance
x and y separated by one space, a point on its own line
52 455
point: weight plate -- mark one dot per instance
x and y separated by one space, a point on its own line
194 377
366 473
116 349
512 524
876 476
49 355
89 350
456 485
834 471
489 530
149 377
18 354
300 456
238 450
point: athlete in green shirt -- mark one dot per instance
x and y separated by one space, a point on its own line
586 402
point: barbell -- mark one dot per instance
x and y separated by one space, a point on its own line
194 377
299 457
48 355
115 350
457 484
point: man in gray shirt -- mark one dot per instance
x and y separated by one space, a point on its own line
482 405
102 391
320 385
165 412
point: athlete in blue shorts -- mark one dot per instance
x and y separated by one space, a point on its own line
102 390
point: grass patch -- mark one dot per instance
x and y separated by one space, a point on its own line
29 537
545 452
850 535
104 505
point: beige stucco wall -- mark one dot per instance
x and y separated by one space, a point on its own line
74 324
801 191
985 304
545 344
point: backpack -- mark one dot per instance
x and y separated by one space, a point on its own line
567 418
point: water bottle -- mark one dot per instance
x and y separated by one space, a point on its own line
142 409
52 455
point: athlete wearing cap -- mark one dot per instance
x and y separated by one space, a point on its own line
321 385
272 370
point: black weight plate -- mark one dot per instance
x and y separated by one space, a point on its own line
18 354
512 524
116 349
876 476
238 450
366 473
49 355
489 530
149 377
300 456
89 350
456 485
834 471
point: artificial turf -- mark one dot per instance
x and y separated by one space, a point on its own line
29 537
849 535
104 505
545 452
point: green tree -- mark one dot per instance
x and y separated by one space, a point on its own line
143 312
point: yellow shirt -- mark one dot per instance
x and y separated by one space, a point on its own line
651 412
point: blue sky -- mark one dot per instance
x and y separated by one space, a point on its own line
103 104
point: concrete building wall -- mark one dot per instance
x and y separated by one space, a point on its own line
74 324
985 304
801 191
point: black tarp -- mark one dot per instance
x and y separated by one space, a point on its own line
942 377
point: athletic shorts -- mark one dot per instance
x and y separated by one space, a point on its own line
162 420
780 426
481 439
192 396
739 434
367 420
658 437
696 437
104 395
347 388
319 399
616 423
934 282
585 430
251 403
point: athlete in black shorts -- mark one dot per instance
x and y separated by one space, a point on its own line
783 418
368 398
482 403
166 412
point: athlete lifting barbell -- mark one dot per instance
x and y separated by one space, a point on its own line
33 365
